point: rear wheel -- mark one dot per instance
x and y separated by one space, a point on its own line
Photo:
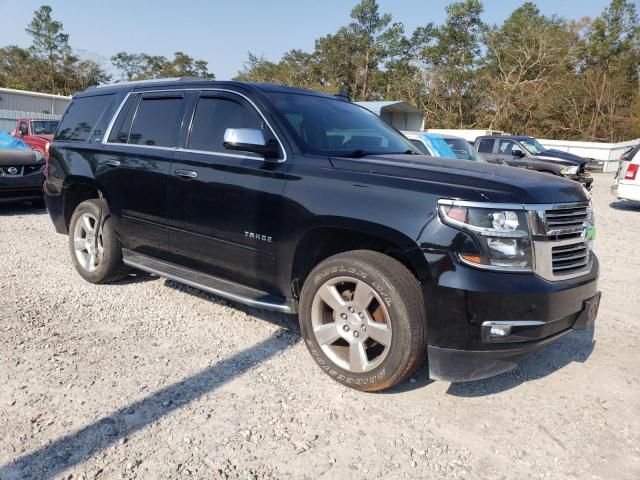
95 248
363 319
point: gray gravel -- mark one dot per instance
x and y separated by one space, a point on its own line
149 379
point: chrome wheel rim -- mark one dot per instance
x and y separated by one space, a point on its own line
87 242
351 324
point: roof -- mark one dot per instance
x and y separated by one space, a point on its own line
33 94
393 106
409 133
194 82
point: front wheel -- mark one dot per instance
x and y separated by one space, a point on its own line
362 317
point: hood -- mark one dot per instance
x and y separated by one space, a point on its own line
553 155
465 180
48 138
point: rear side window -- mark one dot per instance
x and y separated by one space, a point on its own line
420 146
213 116
81 116
156 122
486 146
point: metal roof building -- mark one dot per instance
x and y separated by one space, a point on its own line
15 104
400 115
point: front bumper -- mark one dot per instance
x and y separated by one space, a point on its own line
465 365
17 189
583 178
467 300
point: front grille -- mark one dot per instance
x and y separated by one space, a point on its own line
571 258
566 218
561 235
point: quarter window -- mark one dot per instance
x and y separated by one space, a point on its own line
81 116
213 116
157 122
486 146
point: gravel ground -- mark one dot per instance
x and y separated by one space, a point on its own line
150 379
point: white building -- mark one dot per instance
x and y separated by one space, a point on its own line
15 104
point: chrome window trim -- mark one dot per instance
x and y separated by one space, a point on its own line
105 138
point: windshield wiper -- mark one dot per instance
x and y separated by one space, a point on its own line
355 154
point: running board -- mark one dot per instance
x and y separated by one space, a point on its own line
208 283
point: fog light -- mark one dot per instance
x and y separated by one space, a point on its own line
500 330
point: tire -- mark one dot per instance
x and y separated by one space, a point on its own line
363 319
99 258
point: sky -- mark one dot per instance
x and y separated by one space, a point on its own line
222 32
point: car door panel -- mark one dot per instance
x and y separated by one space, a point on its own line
223 218
133 169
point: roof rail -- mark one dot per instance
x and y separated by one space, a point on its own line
144 82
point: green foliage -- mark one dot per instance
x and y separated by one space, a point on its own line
140 66
533 74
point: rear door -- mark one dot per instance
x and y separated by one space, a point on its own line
134 166
225 206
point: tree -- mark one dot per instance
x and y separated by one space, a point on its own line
610 71
140 66
49 40
527 57
450 59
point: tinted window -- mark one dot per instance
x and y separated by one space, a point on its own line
157 122
81 116
213 116
324 126
486 145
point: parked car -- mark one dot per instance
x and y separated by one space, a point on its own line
300 202
21 172
627 181
431 144
526 152
460 148
36 133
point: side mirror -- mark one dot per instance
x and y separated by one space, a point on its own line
517 153
250 140
39 131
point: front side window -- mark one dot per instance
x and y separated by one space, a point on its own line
486 145
213 116
156 122
327 127
508 147
463 150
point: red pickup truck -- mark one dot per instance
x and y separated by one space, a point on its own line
36 133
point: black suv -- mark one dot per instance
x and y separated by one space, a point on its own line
301 202
526 152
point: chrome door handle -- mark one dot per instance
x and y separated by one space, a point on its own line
112 163
185 173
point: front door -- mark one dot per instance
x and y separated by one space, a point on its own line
225 205
512 153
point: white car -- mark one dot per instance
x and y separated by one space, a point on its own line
627 184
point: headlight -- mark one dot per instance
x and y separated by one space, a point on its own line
503 235
569 170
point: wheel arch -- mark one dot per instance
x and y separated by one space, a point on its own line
324 240
77 190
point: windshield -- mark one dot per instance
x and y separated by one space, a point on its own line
327 127
463 150
44 127
532 145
